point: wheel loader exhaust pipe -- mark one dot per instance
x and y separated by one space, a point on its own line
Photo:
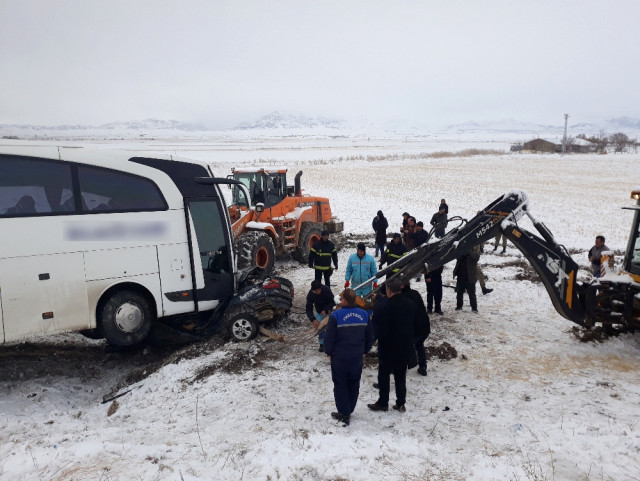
297 183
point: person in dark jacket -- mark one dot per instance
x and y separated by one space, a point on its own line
420 236
408 232
466 272
396 353
319 298
434 290
443 204
322 253
380 226
423 327
439 221
349 337
395 250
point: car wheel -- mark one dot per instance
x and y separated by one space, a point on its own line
126 318
243 327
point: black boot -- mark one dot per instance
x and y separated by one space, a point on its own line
486 291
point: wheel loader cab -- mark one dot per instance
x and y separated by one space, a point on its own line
268 188
632 257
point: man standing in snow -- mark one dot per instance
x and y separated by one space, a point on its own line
408 233
322 253
396 330
423 326
395 250
433 280
380 226
319 298
595 255
361 267
439 221
349 336
467 274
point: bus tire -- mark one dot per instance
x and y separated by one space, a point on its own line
126 318
309 235
256 249
243 327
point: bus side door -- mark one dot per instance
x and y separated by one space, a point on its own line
212 246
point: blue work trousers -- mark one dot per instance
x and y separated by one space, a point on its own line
346 373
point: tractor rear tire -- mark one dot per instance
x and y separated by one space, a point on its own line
256 249
309 235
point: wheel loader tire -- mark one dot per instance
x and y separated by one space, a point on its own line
309 234
256 249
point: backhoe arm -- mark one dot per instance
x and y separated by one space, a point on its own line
556 268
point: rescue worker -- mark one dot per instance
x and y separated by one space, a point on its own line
322 253
380 226
360 268
349 336
396 353
395 250
319 298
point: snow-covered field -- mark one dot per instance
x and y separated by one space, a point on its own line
523 400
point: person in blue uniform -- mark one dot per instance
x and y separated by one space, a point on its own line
349 336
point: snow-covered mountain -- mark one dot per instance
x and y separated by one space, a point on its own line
277 124
279 120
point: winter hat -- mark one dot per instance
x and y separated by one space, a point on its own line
324 232
396 235
420 224
380 213
315 285
361 246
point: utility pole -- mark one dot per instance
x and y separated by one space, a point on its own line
564 138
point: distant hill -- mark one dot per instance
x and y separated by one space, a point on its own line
278 123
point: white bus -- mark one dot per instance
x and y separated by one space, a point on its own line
107 241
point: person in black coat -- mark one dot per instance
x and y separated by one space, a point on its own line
322 253
443 205
349 337
434 290
423 326
420 236
439 221
380 226
319 298
396 353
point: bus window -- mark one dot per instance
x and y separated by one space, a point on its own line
104 190
31 186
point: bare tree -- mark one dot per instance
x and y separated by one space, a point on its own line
619 141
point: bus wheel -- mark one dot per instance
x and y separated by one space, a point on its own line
125 318
243 327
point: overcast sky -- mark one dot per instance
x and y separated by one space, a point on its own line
221 62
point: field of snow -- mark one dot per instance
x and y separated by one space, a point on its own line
523 400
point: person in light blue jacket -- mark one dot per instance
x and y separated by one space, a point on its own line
360 267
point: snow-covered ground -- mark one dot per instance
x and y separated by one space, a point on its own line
523 399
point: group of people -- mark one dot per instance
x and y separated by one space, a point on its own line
400 324
399 320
